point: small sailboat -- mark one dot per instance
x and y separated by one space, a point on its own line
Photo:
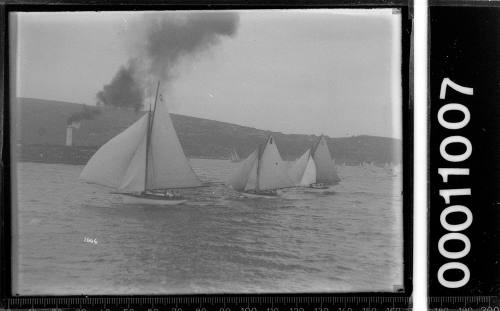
326 173
145 162
262 173
303 170
234 156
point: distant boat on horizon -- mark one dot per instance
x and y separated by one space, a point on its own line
145 162
262 173
234 157
396 169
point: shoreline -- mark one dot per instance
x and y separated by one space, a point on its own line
80 155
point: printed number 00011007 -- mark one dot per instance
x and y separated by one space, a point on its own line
445 173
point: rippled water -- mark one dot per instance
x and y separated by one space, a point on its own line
346 239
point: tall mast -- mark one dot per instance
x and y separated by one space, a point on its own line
148 134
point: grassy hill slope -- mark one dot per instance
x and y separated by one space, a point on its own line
44 122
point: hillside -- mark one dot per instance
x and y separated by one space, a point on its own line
43 122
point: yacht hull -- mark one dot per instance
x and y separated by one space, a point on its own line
320 186
262 195
317 188
150 200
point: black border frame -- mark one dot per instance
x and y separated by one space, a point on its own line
117 5
449 64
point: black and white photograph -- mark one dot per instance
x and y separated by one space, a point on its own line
206 151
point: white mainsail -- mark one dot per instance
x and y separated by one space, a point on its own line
121 162
168 167
263 169
272 171
303 170
325 168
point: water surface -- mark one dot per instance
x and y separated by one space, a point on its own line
348 238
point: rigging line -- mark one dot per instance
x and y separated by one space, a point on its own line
148 139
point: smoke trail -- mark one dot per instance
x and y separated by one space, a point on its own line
168 38
124 90
87 113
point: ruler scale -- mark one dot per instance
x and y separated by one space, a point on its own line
248 303
210 303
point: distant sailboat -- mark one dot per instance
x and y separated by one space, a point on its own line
144 161
234 156
396 169
303 170
262 173
326 173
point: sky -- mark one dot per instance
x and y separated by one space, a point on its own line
333 72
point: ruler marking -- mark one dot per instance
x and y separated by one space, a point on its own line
250 301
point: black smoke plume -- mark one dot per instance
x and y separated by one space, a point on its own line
168 39
123 91
87 113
